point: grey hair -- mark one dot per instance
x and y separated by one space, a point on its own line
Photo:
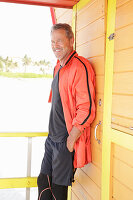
66 27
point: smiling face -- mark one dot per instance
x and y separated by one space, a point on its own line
62 46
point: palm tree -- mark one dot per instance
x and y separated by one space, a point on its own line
26 61
1 64
7 63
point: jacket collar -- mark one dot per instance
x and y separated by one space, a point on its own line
71 55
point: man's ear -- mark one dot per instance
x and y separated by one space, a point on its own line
72 41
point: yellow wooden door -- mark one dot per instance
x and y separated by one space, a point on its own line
117 152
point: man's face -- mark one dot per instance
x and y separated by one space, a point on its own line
61 45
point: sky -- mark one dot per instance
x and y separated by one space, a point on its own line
25 29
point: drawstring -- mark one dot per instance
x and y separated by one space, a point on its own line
49 188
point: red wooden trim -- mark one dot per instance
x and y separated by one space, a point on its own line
53 15
49 3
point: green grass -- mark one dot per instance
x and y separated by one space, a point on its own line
24 75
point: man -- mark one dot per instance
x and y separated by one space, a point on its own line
73 109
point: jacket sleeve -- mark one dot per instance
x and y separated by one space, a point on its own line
50 97
84 90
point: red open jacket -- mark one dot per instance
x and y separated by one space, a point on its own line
77 92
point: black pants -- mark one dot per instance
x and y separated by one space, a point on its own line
58 162
49 191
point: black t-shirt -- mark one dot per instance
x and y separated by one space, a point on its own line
57 126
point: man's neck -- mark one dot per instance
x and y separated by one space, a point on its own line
63 61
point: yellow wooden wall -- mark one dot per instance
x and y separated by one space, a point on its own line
122 102
90 43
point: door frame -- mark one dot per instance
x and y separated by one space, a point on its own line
110 135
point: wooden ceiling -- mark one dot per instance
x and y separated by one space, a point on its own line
49 3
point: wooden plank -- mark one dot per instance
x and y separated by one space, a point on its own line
99 117
91 12
124 15
94 173
123 173
100 84
80 191
121 192
98 64
60 11
123 61
122 139
122 106
123 154
85 6
90 32
109 60
96 156
26 182
23 134
92 189
74 197
122 128
123 83
123 38
92 48
66 17
121 2
122 121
